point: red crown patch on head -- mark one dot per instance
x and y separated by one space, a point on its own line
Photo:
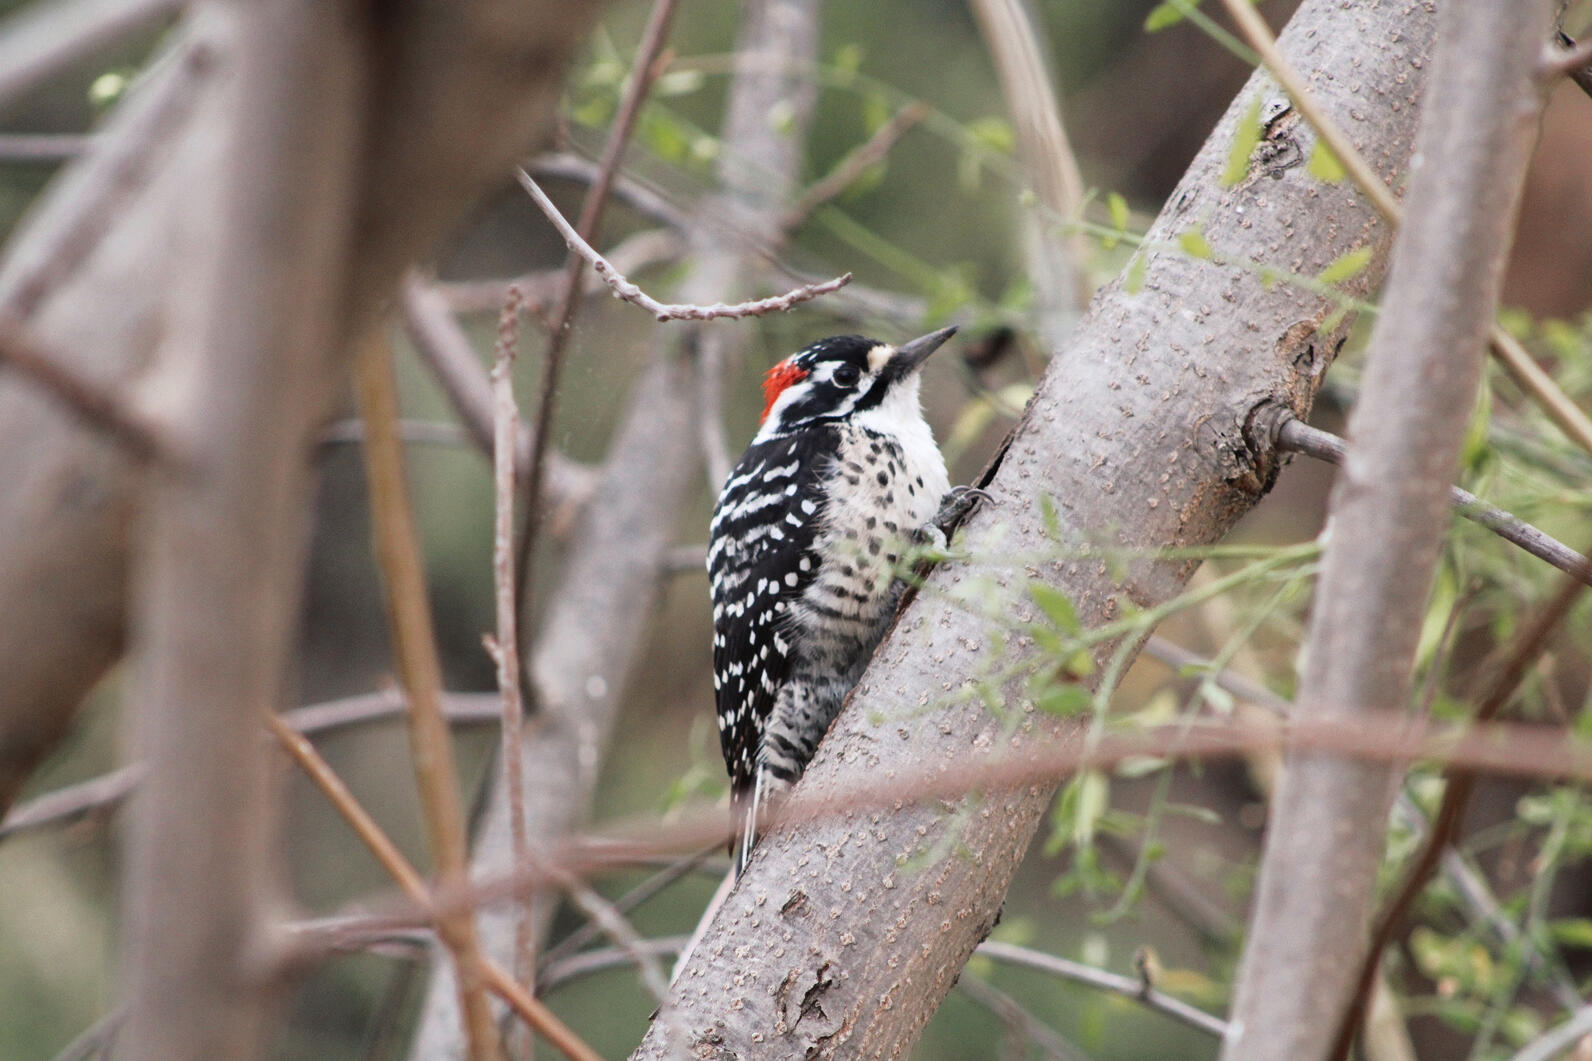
777 379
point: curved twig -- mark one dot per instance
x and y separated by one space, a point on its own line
665 311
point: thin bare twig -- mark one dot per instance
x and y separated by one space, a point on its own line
590 930
411 432
343 801
414 886
629 292
93 406
1540 387
585 963
1026 1031
543 289
1526 373
101 793
446 351
537 1015
96 1040
855 163
612 923
398 555
1323 445
504 649
644 199
43 147
1056 259
1560 1039
1127 986
642 76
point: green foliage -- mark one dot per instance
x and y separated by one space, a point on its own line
1345 266
1246 137
1324 165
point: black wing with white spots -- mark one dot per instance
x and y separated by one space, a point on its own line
760 558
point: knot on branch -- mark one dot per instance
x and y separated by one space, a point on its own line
807 1006
1243 446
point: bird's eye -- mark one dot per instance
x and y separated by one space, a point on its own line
847 375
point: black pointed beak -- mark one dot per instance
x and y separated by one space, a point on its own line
909 356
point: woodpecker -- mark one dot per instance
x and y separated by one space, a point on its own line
803 551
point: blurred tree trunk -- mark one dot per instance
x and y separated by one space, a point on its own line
1153 429
457 92
210 263
1308 938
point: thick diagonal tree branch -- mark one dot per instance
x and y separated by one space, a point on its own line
1153 429
1388 518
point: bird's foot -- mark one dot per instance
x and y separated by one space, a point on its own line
934 537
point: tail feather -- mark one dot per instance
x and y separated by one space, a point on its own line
747 807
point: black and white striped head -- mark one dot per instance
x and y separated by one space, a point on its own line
845 376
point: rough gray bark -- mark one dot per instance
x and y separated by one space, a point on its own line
1154 429
459 91
593 630
244 380
1389 514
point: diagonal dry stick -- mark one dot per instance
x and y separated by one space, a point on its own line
92 405
504 648
536 1014
403 575
1525 371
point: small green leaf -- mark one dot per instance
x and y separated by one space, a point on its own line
1066 699
1133 282
1120 216
1220 699
1094 794
1135 766
994 133
678 83
1345 265
1164 16
848 59
1572 931
1195 811
1245 137
782 117
1050 515
876 112
108 88
1080 664
1195 245
1057 605
1478 442
1324 165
